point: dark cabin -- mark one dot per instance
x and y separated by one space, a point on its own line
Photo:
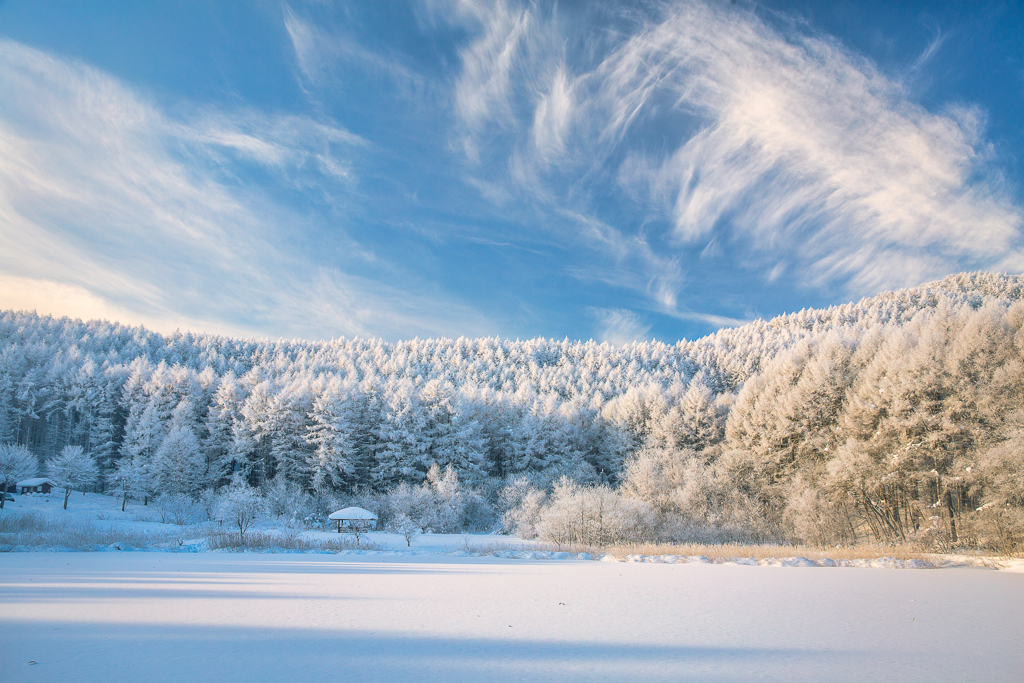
36 485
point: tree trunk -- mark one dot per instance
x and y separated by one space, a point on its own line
952 516
124 501
67 494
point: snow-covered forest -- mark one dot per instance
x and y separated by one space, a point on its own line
895 419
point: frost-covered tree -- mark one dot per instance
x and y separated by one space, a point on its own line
178 465
332 433
16 463
408 528
522 503
816 426
72 469
239 506
129 478
222 420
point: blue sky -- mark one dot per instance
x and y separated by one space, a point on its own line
615 171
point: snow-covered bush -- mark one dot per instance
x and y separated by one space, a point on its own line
440 504
522 503
128 477
594 516
322 502
415 503
240 506
206 503
675 529
176 508
287 501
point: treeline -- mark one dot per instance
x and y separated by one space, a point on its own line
902 433
894 419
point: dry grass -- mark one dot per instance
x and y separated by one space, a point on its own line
719 552
35 530
261 541
762 552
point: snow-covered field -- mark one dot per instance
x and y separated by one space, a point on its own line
434 615
249 617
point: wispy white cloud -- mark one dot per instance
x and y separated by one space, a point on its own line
811 150
551 117
619 326
637 266
111 207
780 141
482 93
319 49
287 143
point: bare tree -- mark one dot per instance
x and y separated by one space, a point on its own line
406 527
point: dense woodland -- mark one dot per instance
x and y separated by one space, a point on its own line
895 419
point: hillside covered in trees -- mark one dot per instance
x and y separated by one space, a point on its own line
898 418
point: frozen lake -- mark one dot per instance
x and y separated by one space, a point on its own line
244 617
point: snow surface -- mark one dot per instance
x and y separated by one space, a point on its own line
245 617
442 612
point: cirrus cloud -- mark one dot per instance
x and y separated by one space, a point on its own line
720 125
109 206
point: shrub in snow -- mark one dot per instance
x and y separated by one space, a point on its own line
72 469
815 520
16 463
239 506
440 504
570 466
668 480
176 508
595 516
522 503
406 527
447 499
260 540
286 500
673 528
477 513
412 502
322 503
206 503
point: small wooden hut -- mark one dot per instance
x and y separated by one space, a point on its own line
36 485
354 519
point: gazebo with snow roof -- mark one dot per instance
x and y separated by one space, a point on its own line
354 519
